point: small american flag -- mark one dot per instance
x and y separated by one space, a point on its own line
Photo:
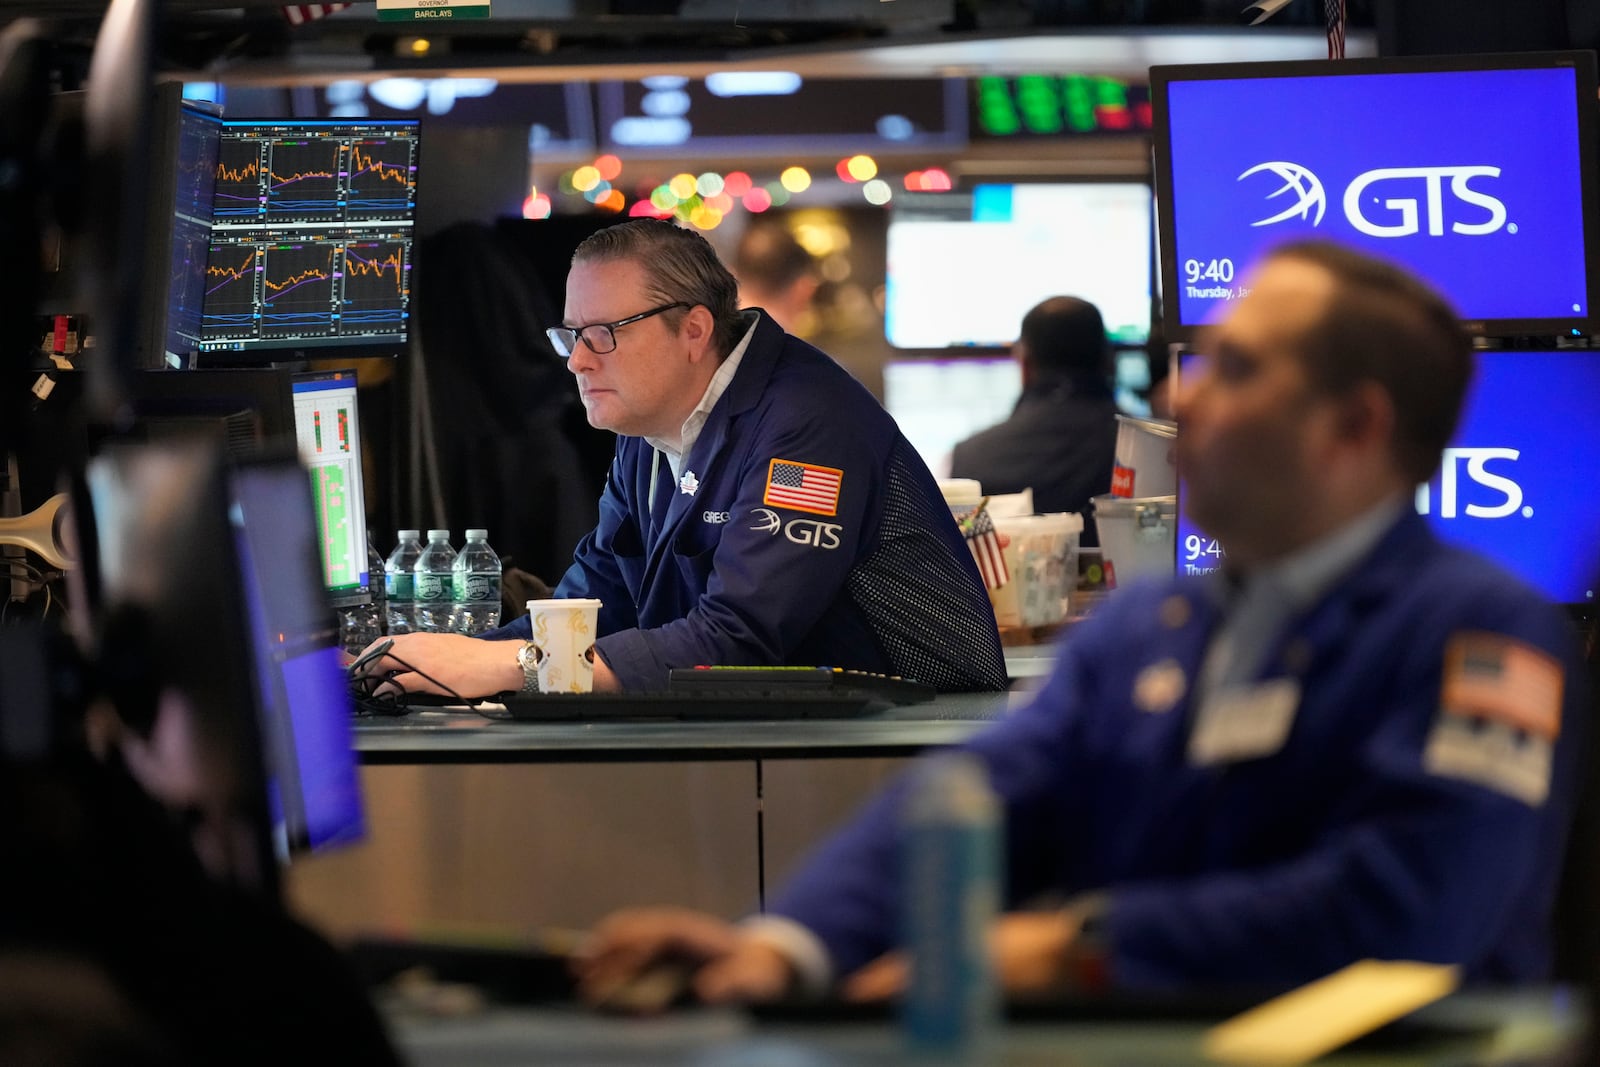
298 13
1334 12
984 542
803 486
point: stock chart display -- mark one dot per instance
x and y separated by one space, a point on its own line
311 235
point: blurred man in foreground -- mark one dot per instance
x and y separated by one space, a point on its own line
1353 742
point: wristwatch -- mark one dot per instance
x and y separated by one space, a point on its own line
528 660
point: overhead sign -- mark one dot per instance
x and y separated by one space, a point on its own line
429 10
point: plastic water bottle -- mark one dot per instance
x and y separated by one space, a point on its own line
951 897
377 589
363 624
400 583
475 586
433 574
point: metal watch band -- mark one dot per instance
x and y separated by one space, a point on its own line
528 660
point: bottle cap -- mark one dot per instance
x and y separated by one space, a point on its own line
408 535
477 535
438 535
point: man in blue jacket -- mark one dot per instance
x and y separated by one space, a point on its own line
762 508
1355 742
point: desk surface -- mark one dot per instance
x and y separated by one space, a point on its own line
1465 1029
466 737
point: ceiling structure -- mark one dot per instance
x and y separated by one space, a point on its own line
557 40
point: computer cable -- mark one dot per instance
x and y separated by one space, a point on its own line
364 689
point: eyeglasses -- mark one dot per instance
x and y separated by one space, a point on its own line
601 337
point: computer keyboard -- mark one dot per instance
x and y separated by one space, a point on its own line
889 689
746 703
716 694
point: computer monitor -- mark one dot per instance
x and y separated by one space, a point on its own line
327 428
938 401
1517 481
193 175
963 268
313 781
174 649
213 597
1475 172
311 239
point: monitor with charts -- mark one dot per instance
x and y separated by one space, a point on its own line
308 233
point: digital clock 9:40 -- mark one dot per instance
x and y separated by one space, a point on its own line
1210 270
1196 547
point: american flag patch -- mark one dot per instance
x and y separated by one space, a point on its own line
1489 676
984 541
298 13
803 487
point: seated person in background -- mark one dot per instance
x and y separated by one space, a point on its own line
1061 439
762 508
776 274
1357 742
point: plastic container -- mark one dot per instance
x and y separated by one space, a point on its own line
400 582
1042 557
433 573
1138 538
363 624
1146 465
475 586
962 495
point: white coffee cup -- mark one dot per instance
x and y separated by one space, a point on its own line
563 640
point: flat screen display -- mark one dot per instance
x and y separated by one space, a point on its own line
1516 483
965 267
327 429
1475 172
939 402
748 113
314 787
311 240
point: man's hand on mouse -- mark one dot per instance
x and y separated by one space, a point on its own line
723 963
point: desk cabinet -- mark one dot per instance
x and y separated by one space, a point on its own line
518 846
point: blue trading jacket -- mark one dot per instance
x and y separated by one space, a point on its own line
718 572
1382 827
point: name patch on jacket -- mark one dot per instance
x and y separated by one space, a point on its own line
1244 722
803 487
1500 715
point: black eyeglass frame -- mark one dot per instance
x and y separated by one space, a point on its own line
564 339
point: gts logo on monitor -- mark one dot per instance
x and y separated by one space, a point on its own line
1404 215
1476 462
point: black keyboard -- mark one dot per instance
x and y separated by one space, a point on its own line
717 694
721 704
889 689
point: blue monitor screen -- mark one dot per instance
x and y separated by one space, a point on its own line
1517 481
1476 179
314 781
